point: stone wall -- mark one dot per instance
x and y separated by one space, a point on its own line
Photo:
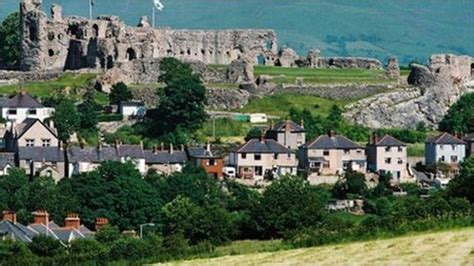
437 87
336 91
75 42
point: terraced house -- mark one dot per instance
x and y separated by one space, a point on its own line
263 159
332 155
288 134
388 155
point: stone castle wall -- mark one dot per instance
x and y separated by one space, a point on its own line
75 42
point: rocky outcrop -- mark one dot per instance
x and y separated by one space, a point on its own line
287 57
226 99
349 62
335 91
435 89
393 69
240 71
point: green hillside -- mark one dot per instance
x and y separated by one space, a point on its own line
455 247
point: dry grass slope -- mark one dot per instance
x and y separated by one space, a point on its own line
454 247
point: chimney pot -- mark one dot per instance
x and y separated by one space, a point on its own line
100 223
72 221
162 146
171 148
9 216
332 133
41 217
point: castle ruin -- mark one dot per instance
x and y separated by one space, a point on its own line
70 43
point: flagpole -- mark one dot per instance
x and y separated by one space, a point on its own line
153 16
90 9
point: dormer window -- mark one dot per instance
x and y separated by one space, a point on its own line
31 111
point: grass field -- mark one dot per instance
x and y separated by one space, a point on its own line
280 104
454 247
286 75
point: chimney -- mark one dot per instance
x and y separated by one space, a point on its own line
99 145
171 148
208 147
302 122
141 144
375 138
41 217
155 149
100 223
262 138
332 133
287 126
9 216
72 221
117 144
162 146
182 147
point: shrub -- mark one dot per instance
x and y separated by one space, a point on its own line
45 246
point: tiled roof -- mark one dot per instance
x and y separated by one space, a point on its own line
336 142
264 146
7 158
444 138
165 157
38 154
22 100
293 127
134 151
389 141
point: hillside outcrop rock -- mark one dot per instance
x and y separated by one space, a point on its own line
435 89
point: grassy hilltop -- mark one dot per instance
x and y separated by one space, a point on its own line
454 247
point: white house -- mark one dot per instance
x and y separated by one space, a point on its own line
23 106
132 109
444 148
258 118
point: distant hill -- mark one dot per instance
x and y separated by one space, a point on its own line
442 248
411 30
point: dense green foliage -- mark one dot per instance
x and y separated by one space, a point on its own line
10 39
460 117
120 93
463 184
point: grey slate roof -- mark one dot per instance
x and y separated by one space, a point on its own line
48 154
134 151
294 127
264 146
469 137
164 157
389 141
7 158
94 155
22 100
16 231
444 138
337 142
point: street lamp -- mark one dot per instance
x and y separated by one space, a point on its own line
143 225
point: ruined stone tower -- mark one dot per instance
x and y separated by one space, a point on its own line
76 42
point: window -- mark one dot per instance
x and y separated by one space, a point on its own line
2 143
257 157
275 156
387 149
345 165
49 173
30 142
212 162
244 155
388 160
12 111
454 147
400 161
359 151
326 165
326 153
400 149
46 142
347 151
288 155
442 159
441 146
32 111
454 159
258 170
299 136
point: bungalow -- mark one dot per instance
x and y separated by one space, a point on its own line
388 155
446 149
213 165
331 155
23 106
288 134
263 158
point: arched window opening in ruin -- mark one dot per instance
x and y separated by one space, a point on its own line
189 51
131 54
33 33
102 62
331 62
203 52
228 53
472 70
73 30
110 62
95 30
269 44
169 52
261 60
50 52
51 36
60 36
181 52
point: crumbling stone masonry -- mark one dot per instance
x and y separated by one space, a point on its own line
70 43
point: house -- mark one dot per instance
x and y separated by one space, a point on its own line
263 158
7 161
444 148
165 162
331 155
133 109
213 165
42 161
469 139
288 134
31 132
72 230
388 155
23 106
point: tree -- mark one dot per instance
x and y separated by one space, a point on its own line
10 39
289 203
45 246
460 117
314 124
334 119
88 114
10 185
462 185
352 183
67 121
108 234
254 133
181 105
120 93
